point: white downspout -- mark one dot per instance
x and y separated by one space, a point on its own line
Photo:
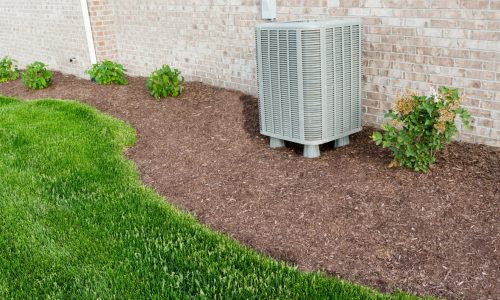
88 31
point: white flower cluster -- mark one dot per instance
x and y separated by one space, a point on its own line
434 94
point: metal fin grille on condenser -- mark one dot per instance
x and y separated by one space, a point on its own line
309 80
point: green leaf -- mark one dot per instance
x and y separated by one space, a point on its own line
377 136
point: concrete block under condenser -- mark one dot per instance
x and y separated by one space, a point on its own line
268 9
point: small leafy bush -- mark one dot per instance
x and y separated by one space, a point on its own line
36 76
165 82
107 72
420 126
8 69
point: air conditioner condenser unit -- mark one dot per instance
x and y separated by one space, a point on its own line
309 77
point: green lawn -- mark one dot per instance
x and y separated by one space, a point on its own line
75 222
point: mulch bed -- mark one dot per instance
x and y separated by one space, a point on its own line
344 214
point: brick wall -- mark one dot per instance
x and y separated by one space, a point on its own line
407 43
104 29
46 30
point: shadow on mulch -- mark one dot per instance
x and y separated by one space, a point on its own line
345 214
251 114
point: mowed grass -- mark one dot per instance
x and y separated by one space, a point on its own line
76 223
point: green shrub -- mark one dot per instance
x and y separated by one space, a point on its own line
165 82
8 69
421 126
107 72
36 76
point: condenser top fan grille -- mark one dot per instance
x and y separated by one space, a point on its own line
309 75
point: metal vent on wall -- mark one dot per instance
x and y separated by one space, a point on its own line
309 75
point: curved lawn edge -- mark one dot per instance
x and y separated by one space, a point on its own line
78 222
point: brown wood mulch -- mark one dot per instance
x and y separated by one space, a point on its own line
346 214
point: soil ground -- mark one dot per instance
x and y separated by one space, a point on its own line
346 214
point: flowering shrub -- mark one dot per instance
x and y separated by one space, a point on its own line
36 76
107 72
165 82
8 69
420 126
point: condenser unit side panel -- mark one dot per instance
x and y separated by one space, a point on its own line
346 43
300 78
295 91
338 80
329 82
311 81
274 82
324 85
266 93
258 54
357 117
279 89
288 85
284 82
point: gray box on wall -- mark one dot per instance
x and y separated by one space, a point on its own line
268 8
309 76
